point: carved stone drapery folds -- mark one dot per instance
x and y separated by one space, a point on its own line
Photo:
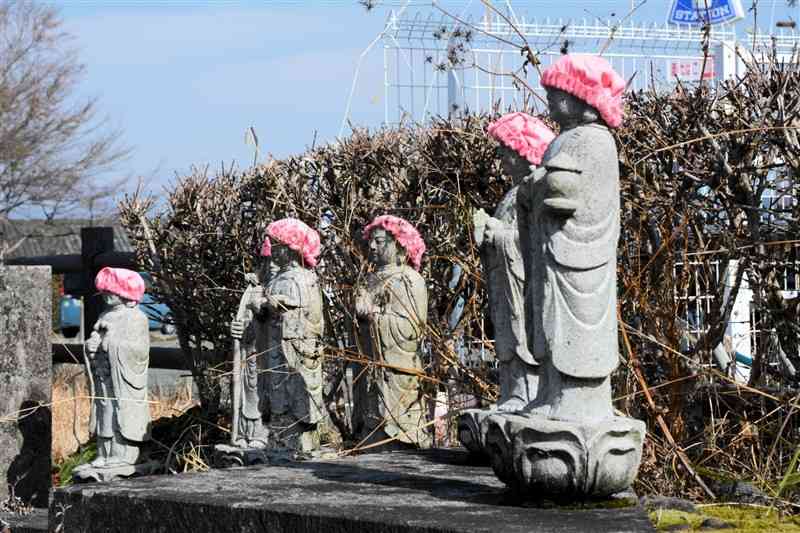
568 443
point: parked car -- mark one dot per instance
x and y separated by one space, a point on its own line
158 313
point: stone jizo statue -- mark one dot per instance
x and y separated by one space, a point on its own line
523 140
392 308
567 443
118 351
249 331
293 300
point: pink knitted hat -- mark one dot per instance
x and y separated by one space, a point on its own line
526 135
297 236
404 233
593 80
120 281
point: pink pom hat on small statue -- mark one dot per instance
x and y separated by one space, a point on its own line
404 233
297 236
526 135
120 281
591 79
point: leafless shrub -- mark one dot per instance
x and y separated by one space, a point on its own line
696 164
51 146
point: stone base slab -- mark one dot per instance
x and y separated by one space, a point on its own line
416 492
88 474
226 456
34 522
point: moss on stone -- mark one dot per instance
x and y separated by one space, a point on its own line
746 519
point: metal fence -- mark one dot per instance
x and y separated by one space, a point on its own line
707 280
434 64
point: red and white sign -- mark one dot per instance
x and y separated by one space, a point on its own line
689 69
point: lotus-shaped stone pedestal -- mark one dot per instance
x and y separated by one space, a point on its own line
469 430
538 457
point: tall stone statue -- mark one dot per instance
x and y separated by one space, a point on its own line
293 300
523 141
118 353
567 442
392 308
249 331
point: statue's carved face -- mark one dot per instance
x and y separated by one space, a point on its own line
513 164
111 300
282 257
383 249
563 106
568 110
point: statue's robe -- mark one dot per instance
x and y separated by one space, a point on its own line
571 294
504 268
295 347
389 397
252 351
121 365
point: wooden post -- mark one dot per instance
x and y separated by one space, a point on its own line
94 241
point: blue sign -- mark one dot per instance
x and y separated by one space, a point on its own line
698 12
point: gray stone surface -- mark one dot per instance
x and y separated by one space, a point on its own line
392 492
118 352
250 343
567 441
25 376
34 522
504 271
294 355
392 308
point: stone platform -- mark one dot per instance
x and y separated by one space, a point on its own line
35 522
392 492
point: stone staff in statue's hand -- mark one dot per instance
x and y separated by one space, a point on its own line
95 340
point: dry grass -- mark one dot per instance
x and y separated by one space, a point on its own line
70 408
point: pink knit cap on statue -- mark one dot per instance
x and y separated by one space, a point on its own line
297 236
526 135
404 233
120 281
593 80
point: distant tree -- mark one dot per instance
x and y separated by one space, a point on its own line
52 144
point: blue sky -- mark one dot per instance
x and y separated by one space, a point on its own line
184 79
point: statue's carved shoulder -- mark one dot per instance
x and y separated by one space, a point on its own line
585 145
564 161
415 278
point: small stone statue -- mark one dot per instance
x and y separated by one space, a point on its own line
524 140
118 352
249 331
293 300
567 443
392 309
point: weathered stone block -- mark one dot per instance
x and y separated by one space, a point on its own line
392 492
25 382
35 522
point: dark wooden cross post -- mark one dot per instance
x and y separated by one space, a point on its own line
94 241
